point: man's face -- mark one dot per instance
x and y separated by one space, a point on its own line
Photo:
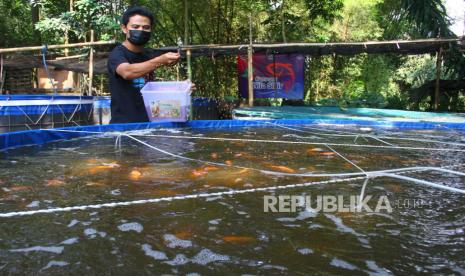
137 22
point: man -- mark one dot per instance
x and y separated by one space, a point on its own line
130 66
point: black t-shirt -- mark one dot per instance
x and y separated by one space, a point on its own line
127 105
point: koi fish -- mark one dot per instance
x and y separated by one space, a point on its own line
237 239
282 168
135 175
204 170
327 153
183 235
103 167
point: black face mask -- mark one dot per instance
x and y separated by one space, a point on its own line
138 37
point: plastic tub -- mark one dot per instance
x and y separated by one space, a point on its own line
167 101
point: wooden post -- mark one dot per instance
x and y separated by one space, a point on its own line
250 64
438 78
91 63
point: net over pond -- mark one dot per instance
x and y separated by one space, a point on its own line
193 200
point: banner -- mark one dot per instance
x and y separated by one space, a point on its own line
274 76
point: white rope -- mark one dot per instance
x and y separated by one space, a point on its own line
168 199
264 141
351 134
300 143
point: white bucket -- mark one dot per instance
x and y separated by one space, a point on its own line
167 101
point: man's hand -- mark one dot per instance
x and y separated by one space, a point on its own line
168 59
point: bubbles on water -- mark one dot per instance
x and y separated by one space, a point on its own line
116 192
172 241
33 204
206 256
70 241
73 222
180 259
55 263
131 226
305 251
215 221
92 233
342 264
375 268
157 255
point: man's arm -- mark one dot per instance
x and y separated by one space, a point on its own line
136 70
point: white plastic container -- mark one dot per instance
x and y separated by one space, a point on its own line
167 101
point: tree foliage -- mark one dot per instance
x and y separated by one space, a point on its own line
362 80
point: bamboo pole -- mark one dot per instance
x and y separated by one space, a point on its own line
250 64
241 46
91 63
438 78
58 46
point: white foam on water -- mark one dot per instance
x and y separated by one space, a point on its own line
33 204
70 241
215 221
340 226
131 226
116 192
180 259
54 263
206 256
50 249
173 242
278 267
342 264
305 251
157 255
92 233
73 222
378 271
286 219
305 214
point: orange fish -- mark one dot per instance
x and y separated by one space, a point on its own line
214 155
103 167
197 173
204 170
282 168
228 162
210 168
237 239
18 188
327 153
54 182
183 235
135 175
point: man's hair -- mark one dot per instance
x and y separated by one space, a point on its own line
130 12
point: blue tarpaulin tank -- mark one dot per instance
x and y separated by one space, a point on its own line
24 112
